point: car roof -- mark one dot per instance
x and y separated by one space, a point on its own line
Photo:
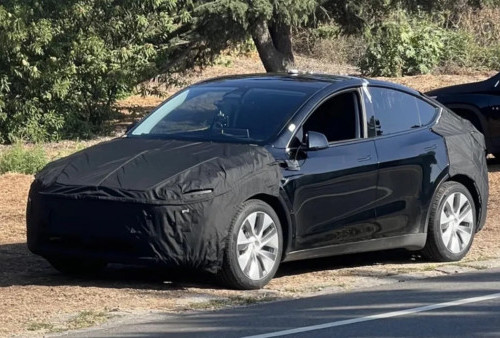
318 81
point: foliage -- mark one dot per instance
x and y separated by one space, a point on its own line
327 44
403 46
355 16
64 63
409 44
22 159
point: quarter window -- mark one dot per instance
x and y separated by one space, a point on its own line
426 111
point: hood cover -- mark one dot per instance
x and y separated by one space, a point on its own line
152 170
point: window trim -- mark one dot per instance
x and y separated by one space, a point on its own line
433 121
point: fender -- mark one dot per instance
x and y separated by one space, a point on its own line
444 177
290 217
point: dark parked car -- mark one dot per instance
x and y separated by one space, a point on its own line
235 175
479 103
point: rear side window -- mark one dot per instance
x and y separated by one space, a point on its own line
392 112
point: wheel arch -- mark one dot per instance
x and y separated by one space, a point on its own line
280 208
468 183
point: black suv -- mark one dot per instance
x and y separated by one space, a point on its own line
479 103
235 175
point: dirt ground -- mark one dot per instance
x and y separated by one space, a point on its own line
35 299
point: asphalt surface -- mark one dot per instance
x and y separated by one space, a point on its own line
462 305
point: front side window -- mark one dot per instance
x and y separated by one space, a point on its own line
336 118
391 111
210 113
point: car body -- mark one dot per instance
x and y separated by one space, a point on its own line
479 103
234 175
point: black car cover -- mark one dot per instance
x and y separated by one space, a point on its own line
139 199
467 156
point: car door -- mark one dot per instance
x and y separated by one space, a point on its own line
333 191
411 158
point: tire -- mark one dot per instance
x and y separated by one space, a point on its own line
76 266
452 223
254 247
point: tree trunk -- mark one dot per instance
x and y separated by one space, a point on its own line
274 46
282 39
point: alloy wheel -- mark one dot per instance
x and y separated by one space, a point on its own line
456 222
257 245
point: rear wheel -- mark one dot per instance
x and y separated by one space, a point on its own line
76 266
452 223
254 248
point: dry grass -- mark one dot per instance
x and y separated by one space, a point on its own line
36 299
482 24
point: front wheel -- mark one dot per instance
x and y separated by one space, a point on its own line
254 248
452 223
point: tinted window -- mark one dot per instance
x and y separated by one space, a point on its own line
390 111
336 118
249 114
426 111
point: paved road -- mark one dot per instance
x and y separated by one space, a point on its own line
454 306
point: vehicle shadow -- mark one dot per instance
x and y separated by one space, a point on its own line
19 267
403 257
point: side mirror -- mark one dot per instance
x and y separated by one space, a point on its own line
316 141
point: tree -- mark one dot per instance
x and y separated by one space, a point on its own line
215 25
64 63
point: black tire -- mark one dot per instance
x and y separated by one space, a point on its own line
76 266
435 248
232 275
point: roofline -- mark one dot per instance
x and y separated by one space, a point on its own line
319 77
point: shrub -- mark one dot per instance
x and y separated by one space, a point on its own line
22 159
402 45
64 63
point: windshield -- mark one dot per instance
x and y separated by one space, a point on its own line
211 113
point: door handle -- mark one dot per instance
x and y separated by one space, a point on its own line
365 158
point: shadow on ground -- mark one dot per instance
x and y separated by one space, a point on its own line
19 267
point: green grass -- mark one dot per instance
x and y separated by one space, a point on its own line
87 319
39 326
82 320
23 159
